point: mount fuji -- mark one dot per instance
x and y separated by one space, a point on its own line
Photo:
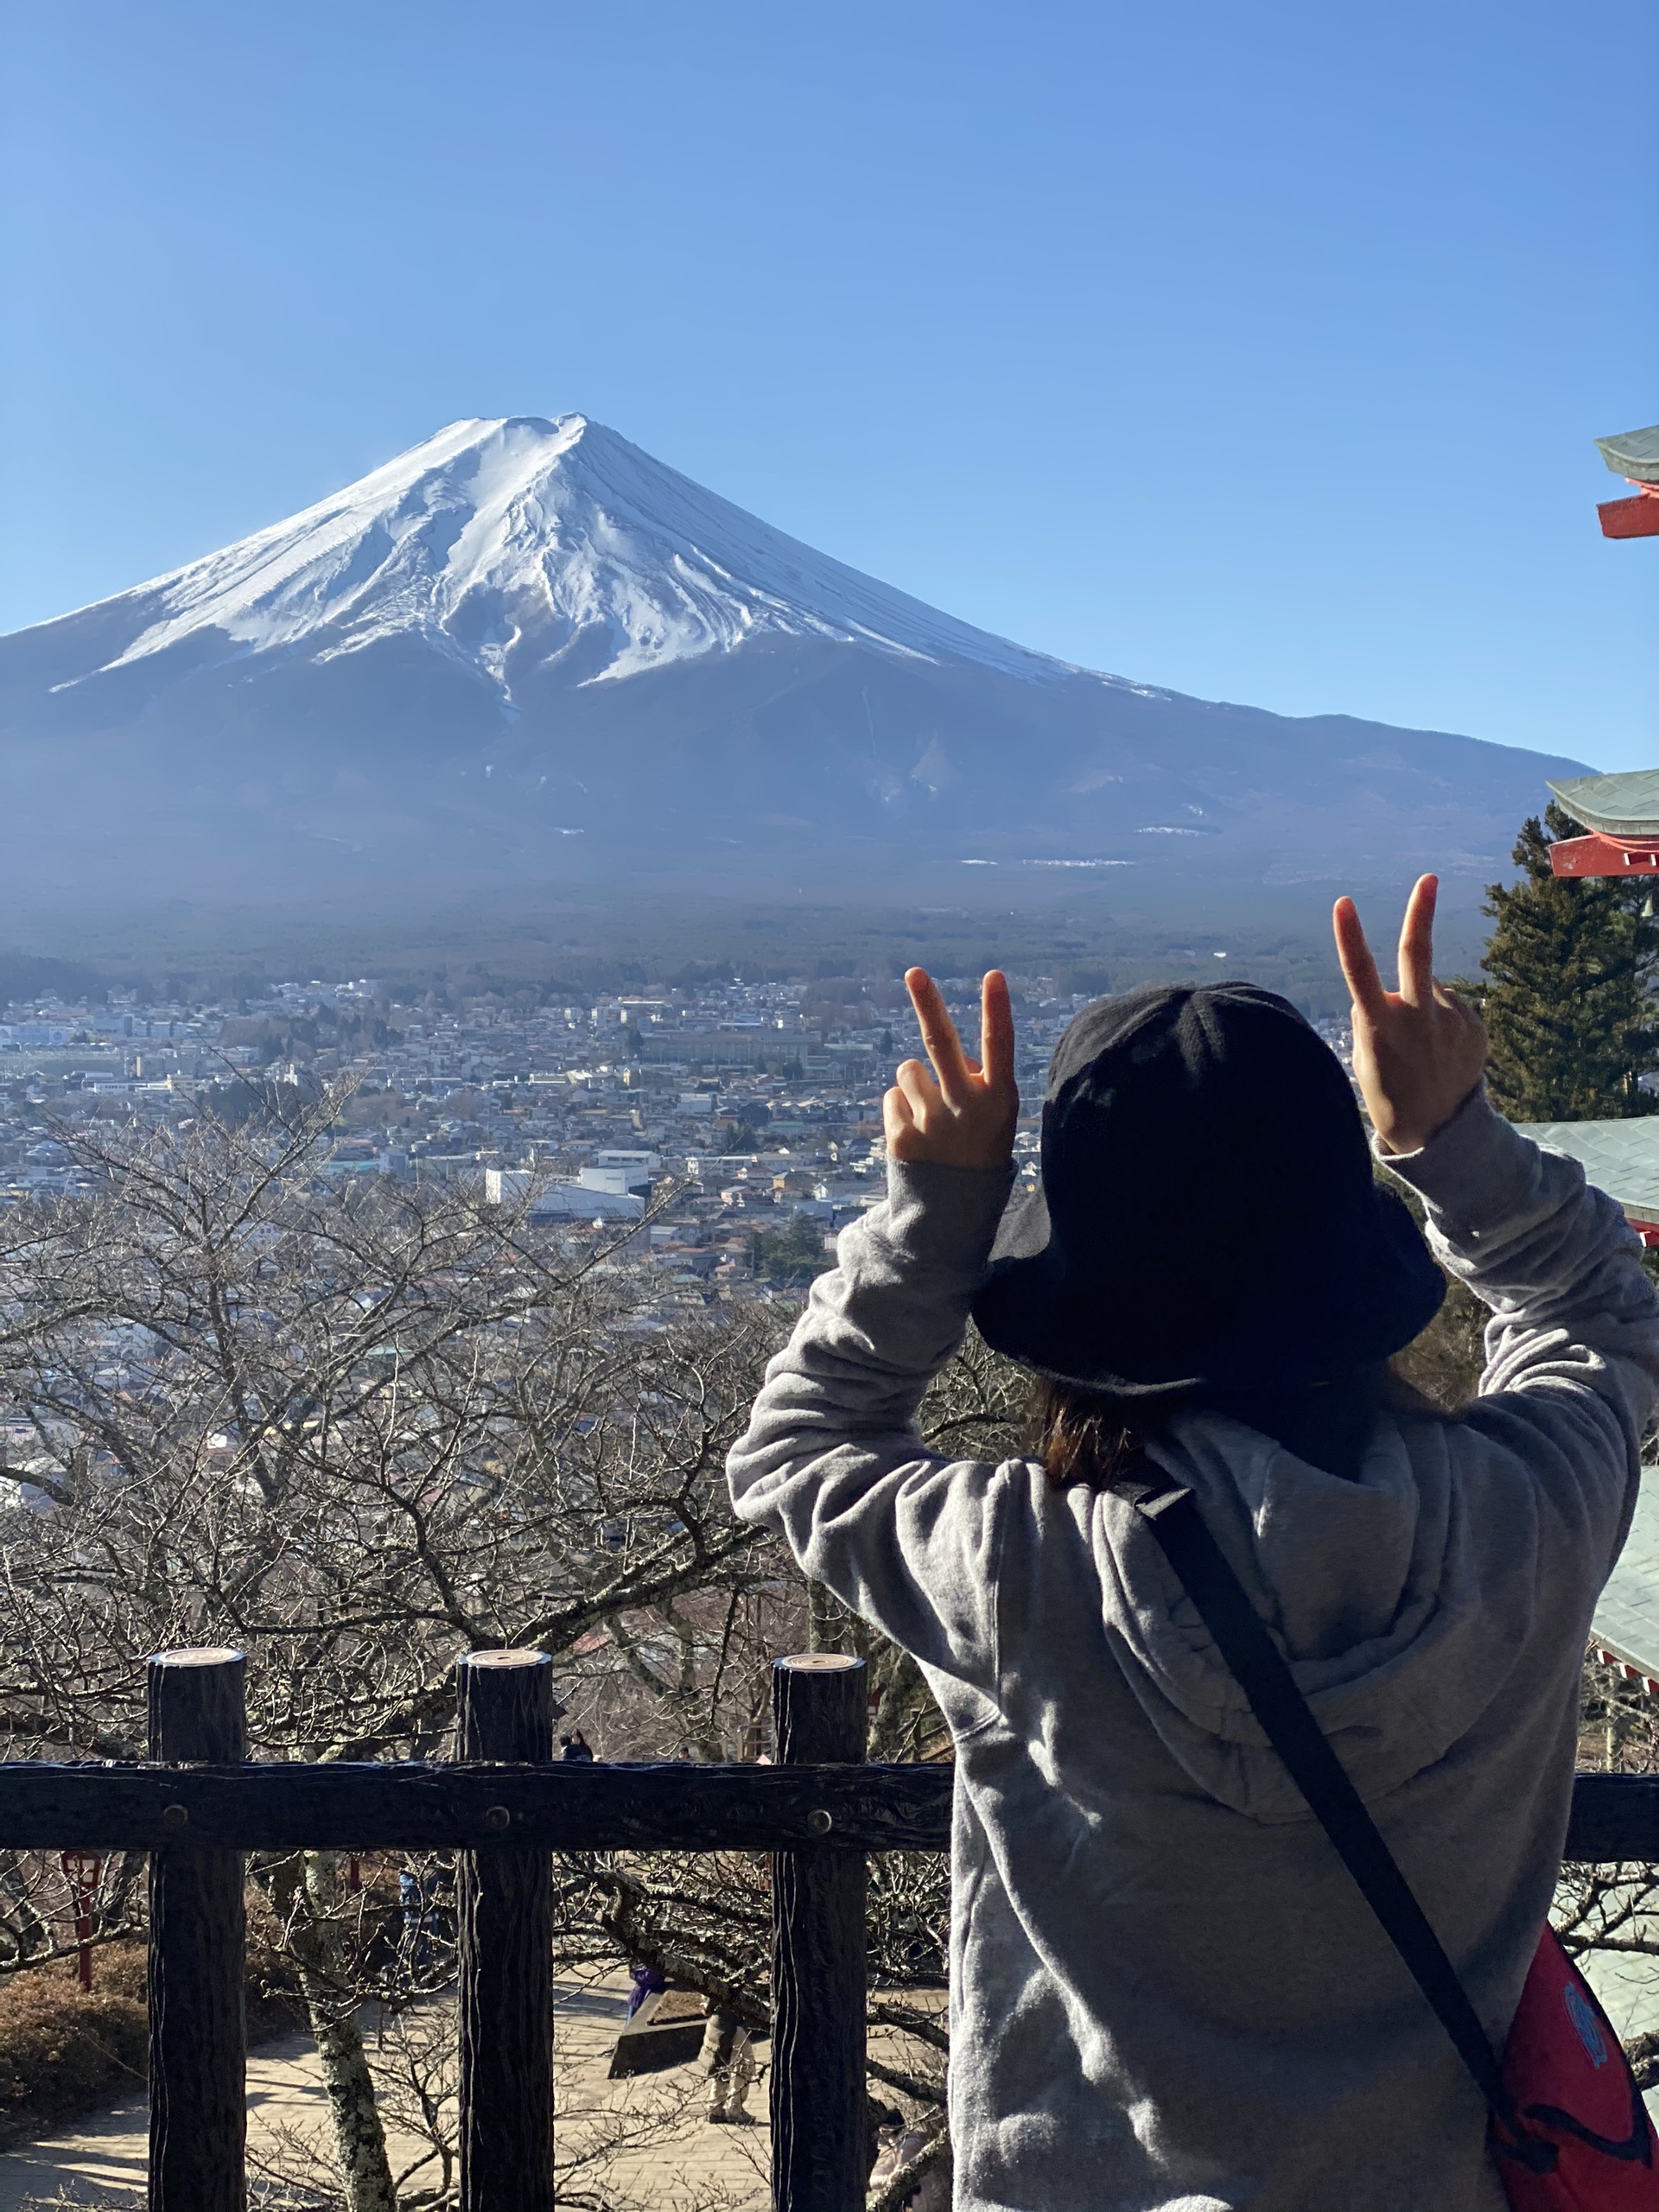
525 652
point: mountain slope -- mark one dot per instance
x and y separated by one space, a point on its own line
526 648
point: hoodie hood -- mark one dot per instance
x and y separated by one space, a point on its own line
1399 1628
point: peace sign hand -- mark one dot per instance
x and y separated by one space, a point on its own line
967 1118
1418 1052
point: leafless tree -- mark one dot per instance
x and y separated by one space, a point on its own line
357 1432
354 1433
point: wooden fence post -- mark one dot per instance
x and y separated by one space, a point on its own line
198 2035
819 2161
505 1711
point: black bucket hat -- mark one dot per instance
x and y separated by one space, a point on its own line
1206 1217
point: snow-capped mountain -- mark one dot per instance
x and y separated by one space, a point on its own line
525 650
497 541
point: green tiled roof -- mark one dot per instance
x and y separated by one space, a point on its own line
1621 806
1634 454
1621 1158
1627 1612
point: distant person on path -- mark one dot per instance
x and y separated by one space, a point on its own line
644 1983
730 2067
1168 1994
575 1746
417 1934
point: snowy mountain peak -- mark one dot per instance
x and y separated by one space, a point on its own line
523 544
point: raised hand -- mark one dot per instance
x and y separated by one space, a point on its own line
967 1117
1418 1052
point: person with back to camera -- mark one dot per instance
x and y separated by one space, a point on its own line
1168 1994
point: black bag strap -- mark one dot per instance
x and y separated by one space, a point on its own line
1172 1514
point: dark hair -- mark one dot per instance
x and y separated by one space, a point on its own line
1089 1436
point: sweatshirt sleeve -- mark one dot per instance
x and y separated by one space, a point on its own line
1572 1345
833 1458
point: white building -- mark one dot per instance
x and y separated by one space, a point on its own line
580 1202
611 1179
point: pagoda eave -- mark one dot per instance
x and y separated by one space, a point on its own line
1637 518
1599 856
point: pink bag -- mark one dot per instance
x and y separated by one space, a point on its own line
1580 2138
1569 2132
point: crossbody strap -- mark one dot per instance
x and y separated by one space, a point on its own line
1172 1516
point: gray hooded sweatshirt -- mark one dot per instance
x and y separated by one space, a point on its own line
1166 1994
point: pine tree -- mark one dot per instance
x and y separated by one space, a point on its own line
1572 966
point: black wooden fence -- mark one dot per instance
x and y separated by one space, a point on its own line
504 1804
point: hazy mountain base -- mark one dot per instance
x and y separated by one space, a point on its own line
1172 813
631 935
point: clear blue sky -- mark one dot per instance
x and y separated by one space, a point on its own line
1255 350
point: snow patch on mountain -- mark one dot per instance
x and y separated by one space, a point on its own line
524 543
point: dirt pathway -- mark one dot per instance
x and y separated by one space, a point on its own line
646 2138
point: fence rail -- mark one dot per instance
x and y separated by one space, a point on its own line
198 1805
429 1806
432 1807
